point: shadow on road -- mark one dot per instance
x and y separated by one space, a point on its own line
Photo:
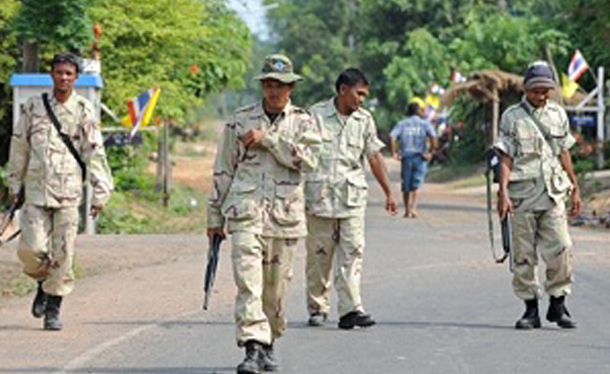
442 324
423 206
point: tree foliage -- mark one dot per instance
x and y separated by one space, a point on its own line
189 48
55 22
8 57
405 45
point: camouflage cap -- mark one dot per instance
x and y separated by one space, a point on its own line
278 67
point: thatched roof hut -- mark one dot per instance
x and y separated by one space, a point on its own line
489 85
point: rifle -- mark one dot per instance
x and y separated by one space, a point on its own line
10 215
210 271
493 167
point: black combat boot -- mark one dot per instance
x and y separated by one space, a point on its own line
355 318
530 319
317 319
51 313
251 364
267 358
559 314
40 302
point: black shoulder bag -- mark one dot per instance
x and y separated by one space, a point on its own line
64 137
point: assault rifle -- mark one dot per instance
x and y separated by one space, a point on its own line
9 215
210 271
491 175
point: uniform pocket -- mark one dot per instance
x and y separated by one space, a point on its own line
315 191
528 140
521 189
241 203
288 209
560 183
357 191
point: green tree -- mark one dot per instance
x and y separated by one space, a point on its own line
8 57
189 48
52 23
321 38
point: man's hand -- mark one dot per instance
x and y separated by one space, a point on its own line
505 205
576 203
216 231
390 205
95 210
396 155
426 156
253 137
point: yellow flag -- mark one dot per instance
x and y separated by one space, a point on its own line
151 107
568 87
433 101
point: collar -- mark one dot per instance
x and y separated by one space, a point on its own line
71 105
531 108
331 110
259 110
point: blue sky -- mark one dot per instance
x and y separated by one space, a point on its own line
253 13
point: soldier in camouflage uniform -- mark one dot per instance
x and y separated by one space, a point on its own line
336 195
53 180
258 191
536 178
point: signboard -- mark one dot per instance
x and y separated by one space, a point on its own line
121 139
583 120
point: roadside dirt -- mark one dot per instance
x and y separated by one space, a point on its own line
102 254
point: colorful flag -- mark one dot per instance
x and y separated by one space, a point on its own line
578 66
568 87
141 109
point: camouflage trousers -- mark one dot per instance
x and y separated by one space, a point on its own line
46 246
340 240
262 270
544 233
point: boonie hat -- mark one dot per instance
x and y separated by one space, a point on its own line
278 67
538 75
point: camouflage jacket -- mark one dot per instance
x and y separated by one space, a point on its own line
260 189
532 155
40 159
338 188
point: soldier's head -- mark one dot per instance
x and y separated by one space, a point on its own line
352 89
277 80
64 72
538 83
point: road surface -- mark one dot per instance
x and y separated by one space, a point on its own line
441 304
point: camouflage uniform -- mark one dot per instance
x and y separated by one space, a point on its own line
259 192
538 187
53 185
336 194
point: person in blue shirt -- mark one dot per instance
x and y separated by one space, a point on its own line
409 145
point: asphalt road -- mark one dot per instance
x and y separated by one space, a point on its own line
441 305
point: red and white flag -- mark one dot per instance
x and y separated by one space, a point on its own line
578 66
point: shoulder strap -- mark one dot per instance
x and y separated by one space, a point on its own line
64 137
545 133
